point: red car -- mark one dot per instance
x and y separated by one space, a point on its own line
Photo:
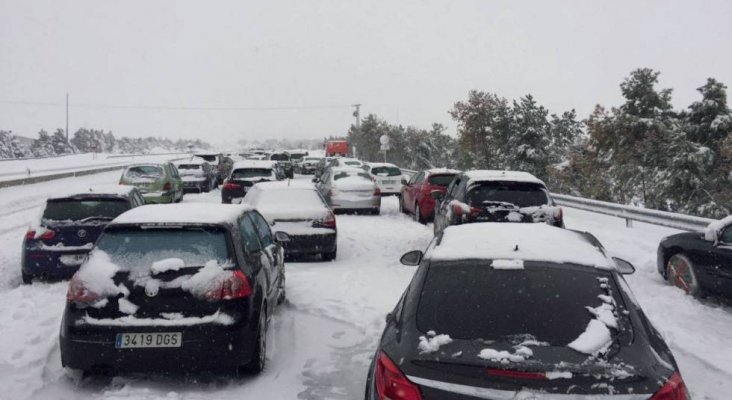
416 198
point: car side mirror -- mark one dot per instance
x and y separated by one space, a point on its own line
624 267
412 258
282 237
437 195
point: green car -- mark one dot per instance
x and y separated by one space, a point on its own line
159 183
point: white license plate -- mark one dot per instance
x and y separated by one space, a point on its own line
147 340
72 259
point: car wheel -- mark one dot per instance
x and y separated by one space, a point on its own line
283 294
330 256
680 273
27 278
401 206
376 211
259 357
418 214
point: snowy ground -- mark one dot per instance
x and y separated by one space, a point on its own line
16 169
322 339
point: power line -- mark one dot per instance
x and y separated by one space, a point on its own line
177 108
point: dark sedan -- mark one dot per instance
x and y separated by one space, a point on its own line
55 246
173 289
244 175
700 263
520 311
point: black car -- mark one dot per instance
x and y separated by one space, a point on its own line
495 196
520 311
244 175
176 288
55 246
700 263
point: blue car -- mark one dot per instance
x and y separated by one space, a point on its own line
55 246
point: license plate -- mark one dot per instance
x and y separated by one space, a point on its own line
390 182
148 340
72 259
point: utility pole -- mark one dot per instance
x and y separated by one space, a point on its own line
67 118
357 114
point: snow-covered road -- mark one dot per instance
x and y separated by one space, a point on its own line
323 337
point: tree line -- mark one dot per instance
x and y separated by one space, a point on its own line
640 152
86 141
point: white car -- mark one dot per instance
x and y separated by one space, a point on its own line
387 176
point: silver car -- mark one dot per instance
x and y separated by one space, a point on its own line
349 189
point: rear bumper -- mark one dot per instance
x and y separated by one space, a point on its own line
311 244
48 265
344 204
159 197
204 347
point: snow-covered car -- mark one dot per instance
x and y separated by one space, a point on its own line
158 183
350 190
307 165
283 160
388 176
302 212
345 162
172 288
197 175
417 198
244 175
221 164
520 311
700 263
495 196
55 246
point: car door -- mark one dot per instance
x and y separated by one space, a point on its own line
442 219
408 196
415 189
176 181
272 255
722 264
253 251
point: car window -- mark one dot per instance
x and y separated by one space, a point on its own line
726 235
452 189
145 172
521 194
80 209
415 178
140 199
470 300
249 234
265 233
247 173
346 174
441 180
173 171
386 171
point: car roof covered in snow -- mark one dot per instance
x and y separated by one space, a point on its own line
519 241
253 164
434 171
190 213
191 161
110 190
349 169
484 175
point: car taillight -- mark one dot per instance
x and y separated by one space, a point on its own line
377 192
673 389
46 235
391 382
231 186
167 186
327 222
79 293
234 286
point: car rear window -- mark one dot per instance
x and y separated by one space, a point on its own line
440 180
345 174
209 158
471 300
77 210
189 166
521 194
386 171
247 173
145 172
279 157
296 156
138 249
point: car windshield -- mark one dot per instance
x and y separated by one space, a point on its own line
138 249
279 157
77 210
440 180
522 194
386 171
190 169
207 157
247 173
345 174
470 300
151 172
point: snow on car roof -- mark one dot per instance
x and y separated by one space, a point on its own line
253 164
498 175
192 213
518 241
348 169
380 164
432 171
108 190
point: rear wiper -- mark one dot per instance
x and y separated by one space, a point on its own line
96 218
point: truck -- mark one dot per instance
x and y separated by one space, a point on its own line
335 148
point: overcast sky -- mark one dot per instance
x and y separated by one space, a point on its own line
290 69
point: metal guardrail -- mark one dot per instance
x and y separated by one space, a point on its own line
46 178
629 213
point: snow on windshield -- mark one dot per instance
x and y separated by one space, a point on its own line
144 173
292 203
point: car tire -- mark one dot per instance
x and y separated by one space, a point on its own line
680 273
329 256
401 206
376 211
27 278
259 356
418 214
283 294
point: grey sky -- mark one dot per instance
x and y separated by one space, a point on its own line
407 61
